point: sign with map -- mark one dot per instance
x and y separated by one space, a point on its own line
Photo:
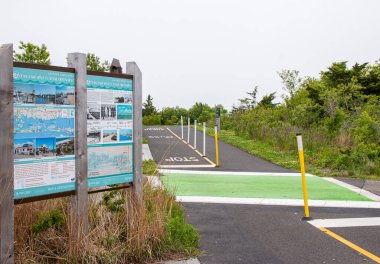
44 131
109 130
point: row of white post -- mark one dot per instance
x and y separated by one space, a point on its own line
195 134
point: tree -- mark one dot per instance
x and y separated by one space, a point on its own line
250 102
31 53
148 107
290 80
94 63
200 112
267 100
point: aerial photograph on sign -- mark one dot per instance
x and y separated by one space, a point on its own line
43 122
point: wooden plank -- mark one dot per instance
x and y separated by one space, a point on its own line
133 69
79 201
6 155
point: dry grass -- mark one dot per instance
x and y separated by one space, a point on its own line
121 231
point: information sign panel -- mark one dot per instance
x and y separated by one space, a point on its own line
109 130
44 132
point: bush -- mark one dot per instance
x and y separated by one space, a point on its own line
152 120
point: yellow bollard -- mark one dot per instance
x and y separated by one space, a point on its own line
216 147
303 175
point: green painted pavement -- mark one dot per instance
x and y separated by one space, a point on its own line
276 187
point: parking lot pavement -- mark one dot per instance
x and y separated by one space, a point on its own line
276 234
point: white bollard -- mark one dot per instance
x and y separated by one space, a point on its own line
182 127
204 139
195 134
188 130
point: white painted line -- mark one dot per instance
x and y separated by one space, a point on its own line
355 189
185 166
346 222
285 202
295 174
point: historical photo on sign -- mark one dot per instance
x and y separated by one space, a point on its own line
24 148
65 95
45 147
108 112
64 146
103 161
124 112
122 97
109 136
93 111
24 93
125 134
93 137
45 94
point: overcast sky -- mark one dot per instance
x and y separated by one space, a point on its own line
212 51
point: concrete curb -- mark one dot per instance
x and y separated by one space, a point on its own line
283 202
243 173
355 189
188 261
147 155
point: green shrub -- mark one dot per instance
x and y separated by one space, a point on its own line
152 120
46 220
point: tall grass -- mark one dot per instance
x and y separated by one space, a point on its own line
120 230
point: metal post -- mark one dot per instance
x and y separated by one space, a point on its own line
195 134
188 130
6 154
304 187
79 201
182 127
216 147
134 70
204 139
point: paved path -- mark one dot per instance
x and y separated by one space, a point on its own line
275 234
237 233
170 152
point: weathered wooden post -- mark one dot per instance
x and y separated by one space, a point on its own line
79 201
6 155
133 69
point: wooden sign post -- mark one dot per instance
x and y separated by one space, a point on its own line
6 155
79 201
133 69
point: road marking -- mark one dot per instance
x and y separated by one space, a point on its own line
185 166
182 159
346 222
154 129
200 154
283 202
355 189
351 245
237 173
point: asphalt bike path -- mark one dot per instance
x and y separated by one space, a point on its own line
170 152
237 233
276 234
231 158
